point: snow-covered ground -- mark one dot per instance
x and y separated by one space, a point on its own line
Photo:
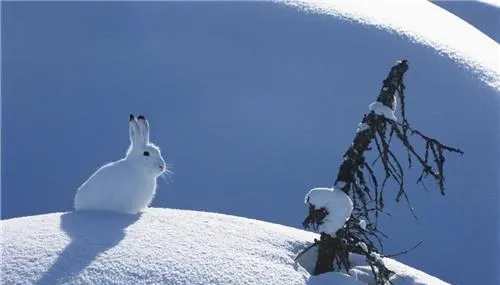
164 246
481 14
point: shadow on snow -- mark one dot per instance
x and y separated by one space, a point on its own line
91 233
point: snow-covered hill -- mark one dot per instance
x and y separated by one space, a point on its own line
439 30
482 14
164 246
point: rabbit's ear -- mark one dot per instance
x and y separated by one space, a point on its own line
134 131
144 128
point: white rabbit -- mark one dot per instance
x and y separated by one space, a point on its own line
129 184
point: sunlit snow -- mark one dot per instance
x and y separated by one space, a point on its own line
163 246
338 205
382 110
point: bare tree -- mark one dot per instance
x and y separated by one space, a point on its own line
357 178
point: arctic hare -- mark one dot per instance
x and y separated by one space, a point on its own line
129 184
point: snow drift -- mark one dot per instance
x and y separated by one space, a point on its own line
472 49
163 246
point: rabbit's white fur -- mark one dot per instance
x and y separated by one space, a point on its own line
129 184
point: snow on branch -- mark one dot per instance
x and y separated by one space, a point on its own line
332 208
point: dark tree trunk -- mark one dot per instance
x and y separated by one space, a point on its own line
335 249
353 157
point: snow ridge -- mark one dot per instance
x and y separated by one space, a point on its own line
447 33
163 246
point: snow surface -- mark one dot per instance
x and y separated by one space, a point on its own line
493 3
336 202
442 30
163 246
483 15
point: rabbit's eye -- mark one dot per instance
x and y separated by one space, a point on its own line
146 153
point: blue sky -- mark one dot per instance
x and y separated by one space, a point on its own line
252 104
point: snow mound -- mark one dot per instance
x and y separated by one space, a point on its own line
442 30
161 246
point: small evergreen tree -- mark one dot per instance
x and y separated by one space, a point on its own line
357 178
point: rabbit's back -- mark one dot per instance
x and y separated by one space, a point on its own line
116 187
